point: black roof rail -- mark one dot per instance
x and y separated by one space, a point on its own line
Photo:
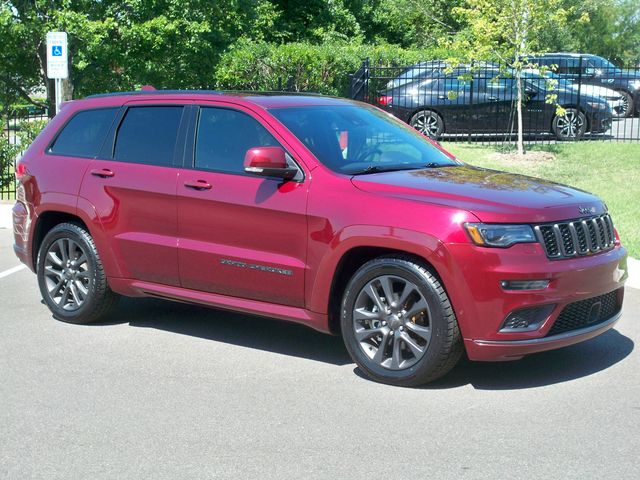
154 92
205 92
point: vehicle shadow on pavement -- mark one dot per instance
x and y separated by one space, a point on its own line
541 369
287 338
234 328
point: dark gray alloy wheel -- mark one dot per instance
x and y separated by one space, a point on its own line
70 275
398 324
570 126
428 123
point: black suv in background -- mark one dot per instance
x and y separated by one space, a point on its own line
593 70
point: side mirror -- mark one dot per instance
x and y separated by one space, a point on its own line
268 162
530 92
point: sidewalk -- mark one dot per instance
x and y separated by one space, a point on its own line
5 214
634 265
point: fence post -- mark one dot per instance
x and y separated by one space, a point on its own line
579 81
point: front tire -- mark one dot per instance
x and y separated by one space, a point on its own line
428 123
71 277
398 324
570 126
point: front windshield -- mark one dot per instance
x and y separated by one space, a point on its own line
355 140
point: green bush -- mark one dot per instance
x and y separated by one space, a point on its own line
312 68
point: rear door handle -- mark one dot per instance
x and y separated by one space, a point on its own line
492 99
104 173
198 185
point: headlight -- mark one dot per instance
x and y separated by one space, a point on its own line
498 235
597 105
635 85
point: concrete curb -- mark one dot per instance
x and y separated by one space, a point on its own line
634 265
634 273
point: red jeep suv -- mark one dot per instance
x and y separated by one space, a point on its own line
316 210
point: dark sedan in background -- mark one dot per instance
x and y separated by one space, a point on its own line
587 69
484 102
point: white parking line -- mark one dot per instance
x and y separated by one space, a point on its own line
13 270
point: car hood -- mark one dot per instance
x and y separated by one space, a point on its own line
626 75
490 195
596 91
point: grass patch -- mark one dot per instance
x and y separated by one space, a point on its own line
610 170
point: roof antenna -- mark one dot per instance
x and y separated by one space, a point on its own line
147 88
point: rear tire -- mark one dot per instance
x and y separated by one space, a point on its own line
398 324
628 107
428 123
71 277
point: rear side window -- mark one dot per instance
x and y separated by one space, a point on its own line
148 135
83 135
224 136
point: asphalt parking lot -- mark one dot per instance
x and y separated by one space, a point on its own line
168 391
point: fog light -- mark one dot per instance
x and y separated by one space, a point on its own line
524 284
526 319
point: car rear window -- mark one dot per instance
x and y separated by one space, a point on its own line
148 135
82 136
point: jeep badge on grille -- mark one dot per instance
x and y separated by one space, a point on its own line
586 210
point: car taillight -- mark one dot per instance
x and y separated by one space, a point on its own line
385 100
21 169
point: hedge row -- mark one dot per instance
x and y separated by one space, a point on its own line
314 68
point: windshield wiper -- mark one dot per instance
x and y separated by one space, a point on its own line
379 169
440 165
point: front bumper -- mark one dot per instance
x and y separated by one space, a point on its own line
484 304
600 122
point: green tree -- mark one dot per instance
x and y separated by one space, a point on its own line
115 45
508 30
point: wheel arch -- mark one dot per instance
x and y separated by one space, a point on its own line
350 262
45 222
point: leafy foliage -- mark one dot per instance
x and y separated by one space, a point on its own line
123 44
316 68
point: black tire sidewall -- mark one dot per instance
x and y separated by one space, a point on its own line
76 234
438 323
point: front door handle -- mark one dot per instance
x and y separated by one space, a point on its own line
492 99
198 185
103 173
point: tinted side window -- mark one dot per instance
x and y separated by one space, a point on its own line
224 136
148 135
83 135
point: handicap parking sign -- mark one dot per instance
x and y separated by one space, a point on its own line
56 51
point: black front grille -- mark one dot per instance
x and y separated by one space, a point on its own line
586 313
576 237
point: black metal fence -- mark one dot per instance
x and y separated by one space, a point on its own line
19 128
570 97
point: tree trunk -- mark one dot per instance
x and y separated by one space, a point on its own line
520 98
